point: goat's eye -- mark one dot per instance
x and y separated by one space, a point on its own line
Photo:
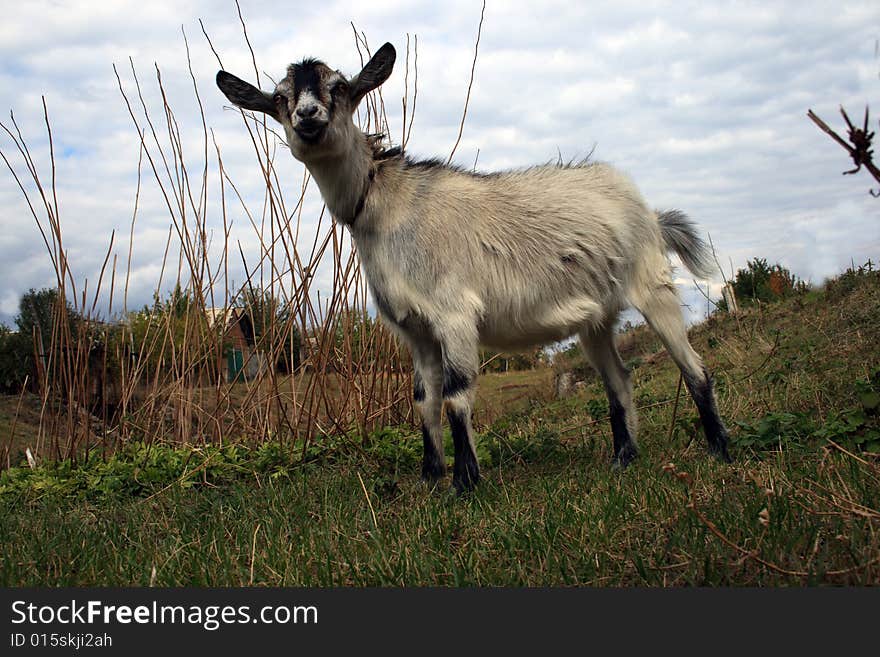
337 88
277 98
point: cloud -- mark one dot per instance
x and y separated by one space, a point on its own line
703 104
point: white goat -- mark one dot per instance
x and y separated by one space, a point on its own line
456 259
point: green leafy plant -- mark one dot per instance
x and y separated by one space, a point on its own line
760 282
597 408
858 428
774 430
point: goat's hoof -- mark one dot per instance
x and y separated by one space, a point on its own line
462 488
721 453
466 482
431 484
465 473
624 457
433 472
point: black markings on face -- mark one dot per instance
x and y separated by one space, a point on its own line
307 77
281 104
338 90
314 77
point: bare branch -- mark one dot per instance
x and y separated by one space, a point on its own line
859 147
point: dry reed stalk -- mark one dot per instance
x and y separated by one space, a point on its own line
467 99
157 374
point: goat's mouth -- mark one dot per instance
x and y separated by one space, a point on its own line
310 131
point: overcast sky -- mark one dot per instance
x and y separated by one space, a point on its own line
703 104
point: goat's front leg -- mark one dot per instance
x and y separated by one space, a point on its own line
428 398
460 366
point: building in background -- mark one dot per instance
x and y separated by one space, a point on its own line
240 359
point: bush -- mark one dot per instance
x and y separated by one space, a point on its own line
856 428
15 361
37 313
840 286
760 282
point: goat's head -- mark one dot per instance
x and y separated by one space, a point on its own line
313 102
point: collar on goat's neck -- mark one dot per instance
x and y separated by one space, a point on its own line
345 182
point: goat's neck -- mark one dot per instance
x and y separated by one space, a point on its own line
344 180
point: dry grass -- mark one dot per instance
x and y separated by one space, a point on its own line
155 375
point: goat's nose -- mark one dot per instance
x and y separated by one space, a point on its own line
307 112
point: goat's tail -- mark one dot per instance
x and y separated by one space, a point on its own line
680 235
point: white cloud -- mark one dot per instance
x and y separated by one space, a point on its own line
702 103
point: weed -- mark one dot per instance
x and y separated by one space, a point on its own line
791 510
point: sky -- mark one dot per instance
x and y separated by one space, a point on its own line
702 104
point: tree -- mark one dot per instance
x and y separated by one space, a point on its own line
15 360
168 332
37 309
37 320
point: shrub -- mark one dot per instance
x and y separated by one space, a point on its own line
840 286
760 282
15 361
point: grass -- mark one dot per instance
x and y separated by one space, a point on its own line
800 506
555 520
19 420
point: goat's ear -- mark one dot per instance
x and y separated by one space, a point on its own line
245 95
375 73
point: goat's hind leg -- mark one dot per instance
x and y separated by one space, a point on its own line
428 398
598 344
662 310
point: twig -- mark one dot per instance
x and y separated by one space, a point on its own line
253 554
769 564
470 83
580 425
182 478
824 127
705 294
763 363
369 503
415 96
675 408
859 148
714 529
848 453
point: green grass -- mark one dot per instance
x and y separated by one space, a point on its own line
800 506
558 517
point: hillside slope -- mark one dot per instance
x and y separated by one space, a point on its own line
797 385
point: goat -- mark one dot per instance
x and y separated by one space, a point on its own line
455 259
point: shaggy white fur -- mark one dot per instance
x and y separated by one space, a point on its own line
457 259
